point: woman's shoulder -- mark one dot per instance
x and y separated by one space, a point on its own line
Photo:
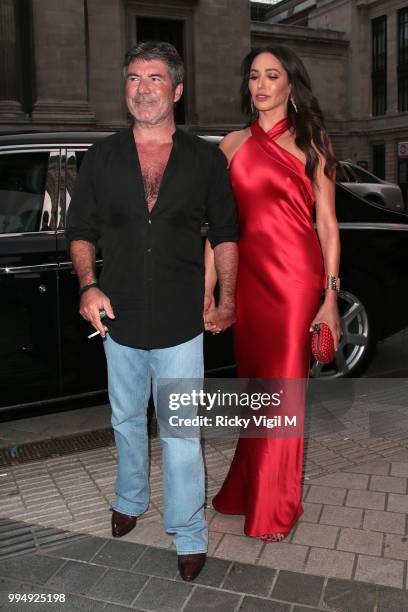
232 142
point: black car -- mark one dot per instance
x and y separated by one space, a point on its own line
45 354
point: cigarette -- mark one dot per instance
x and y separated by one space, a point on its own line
94 334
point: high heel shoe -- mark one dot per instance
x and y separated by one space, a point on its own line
273 537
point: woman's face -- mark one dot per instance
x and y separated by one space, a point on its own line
268 83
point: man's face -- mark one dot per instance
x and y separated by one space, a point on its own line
150 95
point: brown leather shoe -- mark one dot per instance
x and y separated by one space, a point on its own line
122 524
191 565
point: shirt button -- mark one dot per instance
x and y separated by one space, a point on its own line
149 250
150 221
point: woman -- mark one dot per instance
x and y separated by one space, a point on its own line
281 166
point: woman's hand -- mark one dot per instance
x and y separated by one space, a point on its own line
329 313
209 304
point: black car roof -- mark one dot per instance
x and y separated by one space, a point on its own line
53 138
61 138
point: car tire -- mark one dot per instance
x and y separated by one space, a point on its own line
361 314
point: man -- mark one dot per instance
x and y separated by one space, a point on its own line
144 194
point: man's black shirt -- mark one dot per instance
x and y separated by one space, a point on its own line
153 269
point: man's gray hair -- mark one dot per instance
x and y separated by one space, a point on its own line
151 50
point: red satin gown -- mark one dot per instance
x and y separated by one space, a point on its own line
278 293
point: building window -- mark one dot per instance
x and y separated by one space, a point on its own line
379 160
168 30
379 66
403 60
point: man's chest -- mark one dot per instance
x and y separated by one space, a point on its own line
153 161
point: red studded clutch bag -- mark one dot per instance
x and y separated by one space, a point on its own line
322 343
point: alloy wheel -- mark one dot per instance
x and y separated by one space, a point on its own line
354 341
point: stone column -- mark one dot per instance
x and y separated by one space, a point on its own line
61 63
107 46
221 40
392 63
10 105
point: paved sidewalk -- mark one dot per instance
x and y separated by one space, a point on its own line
101 574
353 529
349 551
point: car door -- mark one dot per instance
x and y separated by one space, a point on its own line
82 359
29 355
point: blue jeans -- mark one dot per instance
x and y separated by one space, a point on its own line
130 373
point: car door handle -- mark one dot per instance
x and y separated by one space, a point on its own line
28 269
67 265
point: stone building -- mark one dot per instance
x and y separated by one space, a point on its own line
61 64
61 60
372 126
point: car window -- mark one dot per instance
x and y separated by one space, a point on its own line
22 191
74 161
342 175
363 176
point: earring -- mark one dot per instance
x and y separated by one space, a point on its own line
293 103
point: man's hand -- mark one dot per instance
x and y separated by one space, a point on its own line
92 301
219 318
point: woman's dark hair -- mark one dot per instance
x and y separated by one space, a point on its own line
307 122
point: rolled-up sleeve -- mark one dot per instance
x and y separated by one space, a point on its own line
221 213
83 218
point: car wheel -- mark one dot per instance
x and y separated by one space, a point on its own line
358 340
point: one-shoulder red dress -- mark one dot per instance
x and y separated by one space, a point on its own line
278 293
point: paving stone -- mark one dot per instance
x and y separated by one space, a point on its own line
360 541
315 535
250 579
391 600
343 517
256 604
214 538
157 562
76 577
377 468
228 524
326 495
150 533
212 599
387 572
311 512
396 547
298 588
349 596
117 608
82 550
399 468
397 503
284 556
119 587
388 484
34 568
164 595
388 522
119 554
365 499
73 602
343 480
239 548
213 573
332 563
